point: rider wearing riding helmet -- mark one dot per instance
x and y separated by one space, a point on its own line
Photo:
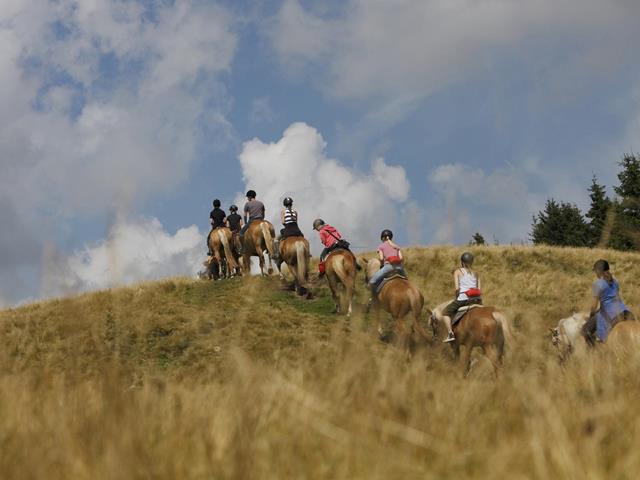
390 257
234 220
468 292
289 219
217 219
253 210
607 307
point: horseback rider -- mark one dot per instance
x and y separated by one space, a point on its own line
235 223
217 219
468 292
607 307
390 257
253 210
289 219
330 238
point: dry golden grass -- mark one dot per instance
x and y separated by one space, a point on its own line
237 379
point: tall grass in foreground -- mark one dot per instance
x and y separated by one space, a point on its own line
182 379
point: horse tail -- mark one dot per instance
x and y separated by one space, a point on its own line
340 269
503 321
417 304
268 238
301 259
231 262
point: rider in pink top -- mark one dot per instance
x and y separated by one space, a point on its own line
390 257
388 250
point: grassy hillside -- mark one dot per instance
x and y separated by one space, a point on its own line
239 379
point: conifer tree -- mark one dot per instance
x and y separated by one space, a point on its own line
560 224
625 234
477 239
598 211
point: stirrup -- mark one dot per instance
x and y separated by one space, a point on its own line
450 338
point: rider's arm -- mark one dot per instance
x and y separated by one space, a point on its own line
400 254
282 217
241 223
456 281
595 305
380 257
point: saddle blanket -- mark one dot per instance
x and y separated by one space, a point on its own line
386 279
462 312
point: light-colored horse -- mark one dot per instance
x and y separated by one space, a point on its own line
340 270
402 300
220 243
567 336
484 327
257 240
294 251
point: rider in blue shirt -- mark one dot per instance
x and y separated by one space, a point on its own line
607 307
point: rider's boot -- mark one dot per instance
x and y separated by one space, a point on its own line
450 338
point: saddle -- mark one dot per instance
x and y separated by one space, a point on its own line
462 311
387 278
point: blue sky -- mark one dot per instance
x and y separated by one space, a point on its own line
122 120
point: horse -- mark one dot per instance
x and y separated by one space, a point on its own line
257 239
340 269
220 241
480 326
294 251
402 300
567 336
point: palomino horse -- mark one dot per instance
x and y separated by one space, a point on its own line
294 251
402 300
340 270
257 239
220 244
567 336
484 327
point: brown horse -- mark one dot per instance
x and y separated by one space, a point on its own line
294 251
220 243
402 300
257 240
340 270
625 336
484 327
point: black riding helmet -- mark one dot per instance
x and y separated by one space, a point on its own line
216 203
287 202
466 258
251 194
317 223
233 208
386 233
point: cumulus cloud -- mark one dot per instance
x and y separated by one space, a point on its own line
103 105
498 203
359 204
134 251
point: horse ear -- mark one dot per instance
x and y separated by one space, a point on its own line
553 330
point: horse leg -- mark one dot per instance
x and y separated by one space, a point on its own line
333 286
466 360
491 352
347 299
404 338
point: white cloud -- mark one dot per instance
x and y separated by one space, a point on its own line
386 48
133 252
104 104
497 204
358 204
